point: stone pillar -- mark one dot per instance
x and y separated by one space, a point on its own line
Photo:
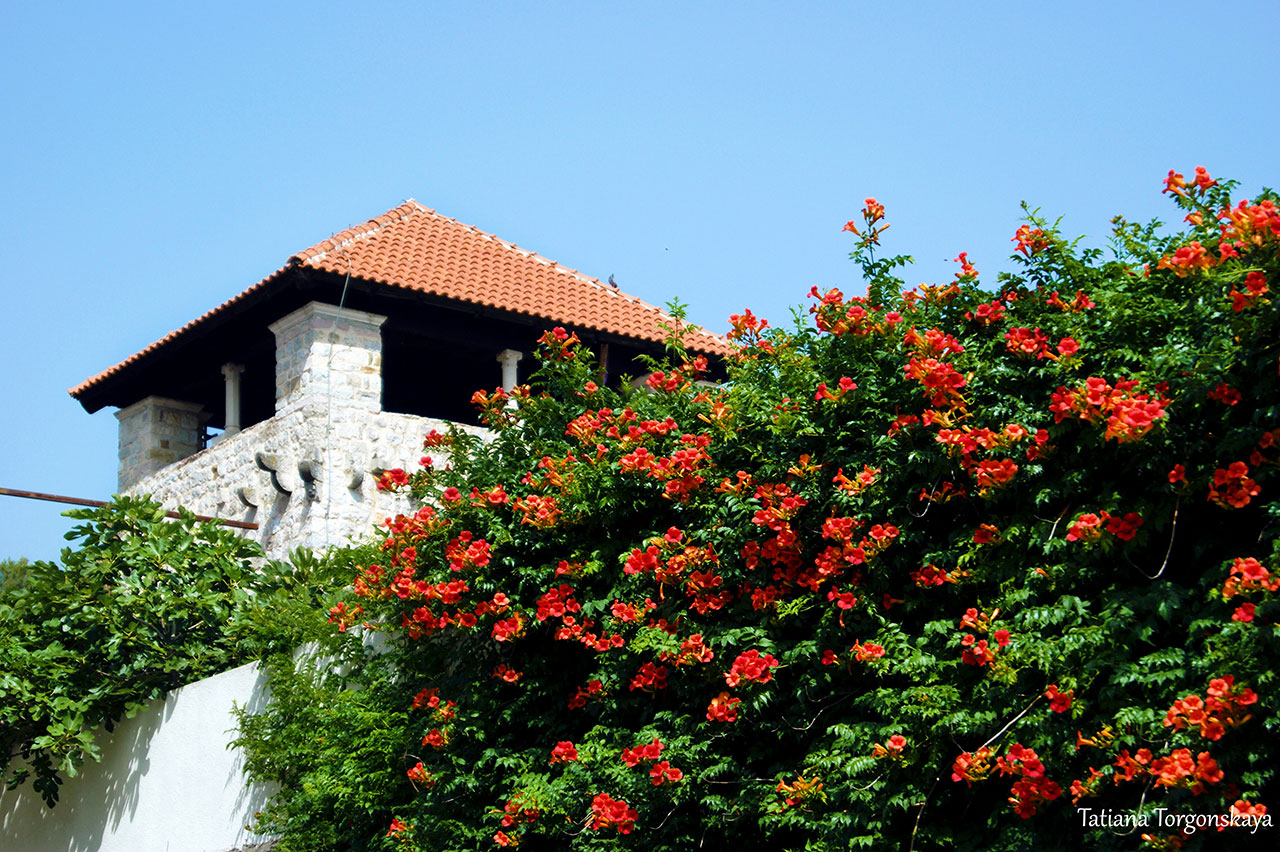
508 358
155 432
232 373
325 354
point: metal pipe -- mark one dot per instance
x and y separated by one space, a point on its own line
81 501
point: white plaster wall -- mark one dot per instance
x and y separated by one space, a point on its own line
167 781
339 447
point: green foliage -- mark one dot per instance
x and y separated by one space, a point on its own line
13 574
929 572
142 605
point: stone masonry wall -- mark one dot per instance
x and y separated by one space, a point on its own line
322 350
305 477
154 433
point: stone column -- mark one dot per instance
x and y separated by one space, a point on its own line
508 358
324 355
232 373
155 432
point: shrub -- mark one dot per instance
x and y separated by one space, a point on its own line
942 568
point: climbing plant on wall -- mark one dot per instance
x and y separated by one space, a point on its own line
975 565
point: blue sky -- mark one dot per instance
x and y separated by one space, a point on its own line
159 158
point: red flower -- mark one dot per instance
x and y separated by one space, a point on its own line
626 612
593 689
975 620
608 812
556 602
723 708
1085 528
928 575
564 752
1028 794
1026 343
1129 415
650 678
694 650
976 651
750 666
1255 287
866 651
972 766
1030 241
1059 702
1232 488
650 751
1020 760
507 673
1187 259
1124 528
1225 394
988 313
994 474
986 534
664 771
941 381
1248 575
514 813
466 551
1223 708
392 479
509 628
640 562
1244 612
1245 813
892 748
1179 769
844 600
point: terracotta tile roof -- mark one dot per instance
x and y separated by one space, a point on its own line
415 248
418 249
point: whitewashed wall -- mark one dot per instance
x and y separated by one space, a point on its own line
167 781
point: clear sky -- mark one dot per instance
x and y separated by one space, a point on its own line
160 158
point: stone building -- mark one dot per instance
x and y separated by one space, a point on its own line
277 406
